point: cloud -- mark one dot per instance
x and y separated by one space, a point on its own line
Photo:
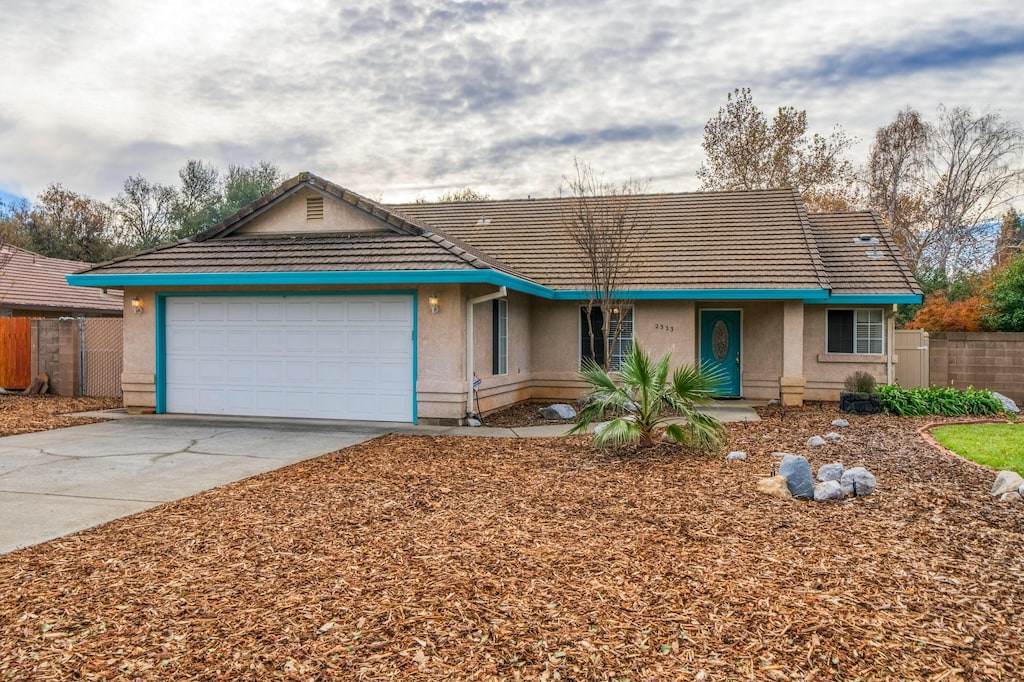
957 52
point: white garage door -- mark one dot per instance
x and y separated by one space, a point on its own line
329 357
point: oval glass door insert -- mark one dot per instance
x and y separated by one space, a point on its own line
720 340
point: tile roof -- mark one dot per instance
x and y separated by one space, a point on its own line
742 240
298 252
29 281
850 270
716 240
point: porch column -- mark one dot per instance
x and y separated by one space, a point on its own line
792 381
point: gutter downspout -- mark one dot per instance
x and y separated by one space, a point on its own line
890 331
502 292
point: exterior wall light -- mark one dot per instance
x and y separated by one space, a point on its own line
435 304
137 305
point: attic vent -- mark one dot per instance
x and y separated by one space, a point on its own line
484 221
314 208
865 239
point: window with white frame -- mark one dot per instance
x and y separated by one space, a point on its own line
856 331
499 336
620 330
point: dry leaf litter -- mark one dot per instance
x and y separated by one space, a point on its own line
412 557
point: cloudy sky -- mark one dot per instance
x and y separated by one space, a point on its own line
399 99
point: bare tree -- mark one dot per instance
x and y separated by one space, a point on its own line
605 224
197 204
939 184
144 210
976 163
894 178
744 151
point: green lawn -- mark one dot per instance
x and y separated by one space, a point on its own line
1000 446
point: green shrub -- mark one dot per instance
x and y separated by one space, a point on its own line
861 382
918 402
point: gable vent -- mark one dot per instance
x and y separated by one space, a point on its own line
314 208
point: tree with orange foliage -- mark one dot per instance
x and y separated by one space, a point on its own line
939 314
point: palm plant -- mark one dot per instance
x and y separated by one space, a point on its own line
639 394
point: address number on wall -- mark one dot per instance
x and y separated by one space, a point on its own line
665 327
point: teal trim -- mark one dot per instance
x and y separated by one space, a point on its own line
407 277
494 277
875 298
161 329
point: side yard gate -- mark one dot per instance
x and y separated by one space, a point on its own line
15 352
82 356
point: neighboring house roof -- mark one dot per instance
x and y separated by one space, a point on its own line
29 281
857 267
714 240
744 244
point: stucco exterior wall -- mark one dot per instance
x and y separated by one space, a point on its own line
543 347
290 216
826 372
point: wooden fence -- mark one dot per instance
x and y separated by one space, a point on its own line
15 352
82 356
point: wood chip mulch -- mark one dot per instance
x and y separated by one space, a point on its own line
29 413
413 557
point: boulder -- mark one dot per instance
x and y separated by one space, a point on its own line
558 411
1011 497
1007 402
736 454
775 486
473 422
831 472
815 442
833 436
828 490
1006 482
799 479
858 482
840 423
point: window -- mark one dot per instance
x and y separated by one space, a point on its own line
499 337
621 320
855 331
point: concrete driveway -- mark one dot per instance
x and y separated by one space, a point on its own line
57 482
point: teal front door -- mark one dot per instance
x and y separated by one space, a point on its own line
720 347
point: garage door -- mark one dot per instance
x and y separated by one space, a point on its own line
329 357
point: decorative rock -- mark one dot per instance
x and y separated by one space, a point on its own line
780 454
833 436
831 472
558 411
1006 482
798 475
840 422
858 482
599 427
736 454
775 486
815 442
1011 497
473 422
773 402
1007 402
828 490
